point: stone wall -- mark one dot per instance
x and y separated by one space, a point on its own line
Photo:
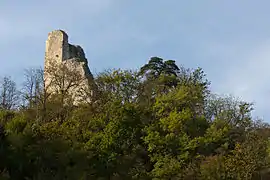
58 53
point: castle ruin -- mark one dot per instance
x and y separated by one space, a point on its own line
75 77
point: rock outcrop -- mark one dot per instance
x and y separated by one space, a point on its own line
66 67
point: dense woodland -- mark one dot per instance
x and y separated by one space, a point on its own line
159 122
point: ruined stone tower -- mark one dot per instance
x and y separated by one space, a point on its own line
66 67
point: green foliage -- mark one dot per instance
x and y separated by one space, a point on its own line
160 123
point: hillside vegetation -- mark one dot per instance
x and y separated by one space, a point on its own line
160 122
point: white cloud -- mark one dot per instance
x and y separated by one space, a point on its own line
249 78
240 69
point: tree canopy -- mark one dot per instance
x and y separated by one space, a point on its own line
160 122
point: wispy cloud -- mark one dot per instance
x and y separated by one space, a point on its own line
228 39
248 77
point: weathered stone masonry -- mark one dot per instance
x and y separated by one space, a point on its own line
59 51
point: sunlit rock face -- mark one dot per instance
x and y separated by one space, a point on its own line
77 74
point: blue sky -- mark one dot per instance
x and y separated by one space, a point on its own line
229 39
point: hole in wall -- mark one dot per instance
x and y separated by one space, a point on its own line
57 56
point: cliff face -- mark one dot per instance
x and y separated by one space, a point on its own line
66 67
